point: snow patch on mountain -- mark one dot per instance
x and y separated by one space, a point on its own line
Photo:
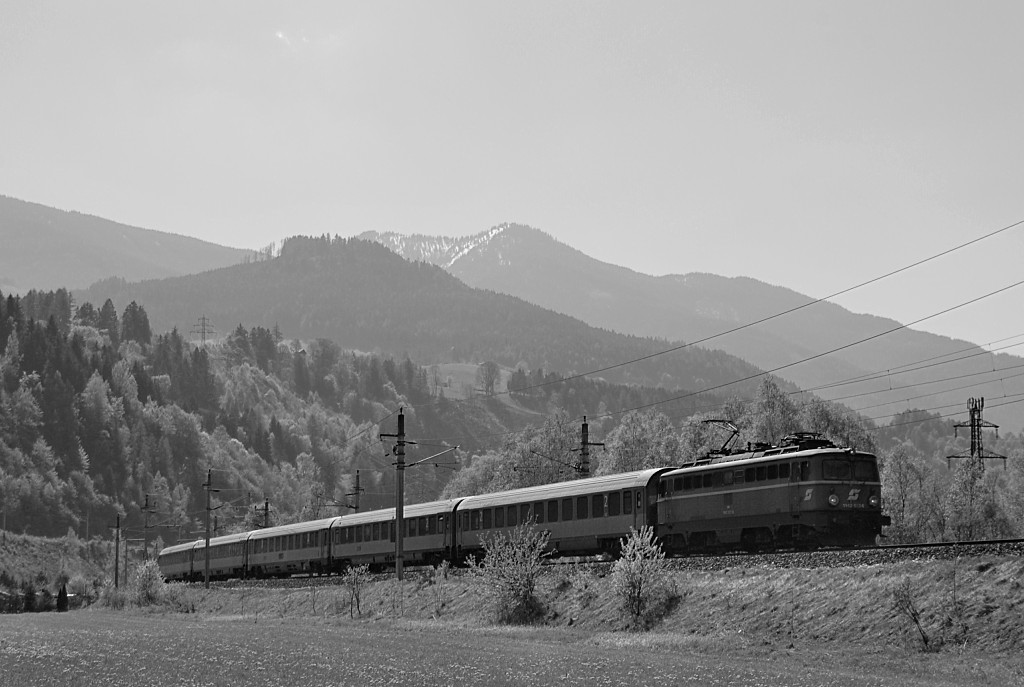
443 251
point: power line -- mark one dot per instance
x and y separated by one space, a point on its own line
781 314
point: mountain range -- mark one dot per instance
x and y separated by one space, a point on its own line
515 295
45 248
810 345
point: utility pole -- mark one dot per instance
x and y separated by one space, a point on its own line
977 453
399 452
585 445
147 509
117 549
208 486
355 494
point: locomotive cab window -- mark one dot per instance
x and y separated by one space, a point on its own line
837 469
865 471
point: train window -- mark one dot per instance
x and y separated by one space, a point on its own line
805 470
784 471
465 522
487 518
432 524
748 475
865 471
837 469
376 531
627 502
687 483
359 533
597 506
737 477
524 513
499 517
474 520
677 484
727 477
707 479
773 472
538 512
567 509
391 531
366 532
511 519
762 474
717 479
581 507
613 504
552 511
422 528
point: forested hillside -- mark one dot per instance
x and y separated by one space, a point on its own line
100 416
364 297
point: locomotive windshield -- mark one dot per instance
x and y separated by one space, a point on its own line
846 469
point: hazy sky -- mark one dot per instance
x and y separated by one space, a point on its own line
812 145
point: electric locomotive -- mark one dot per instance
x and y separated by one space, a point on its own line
805 493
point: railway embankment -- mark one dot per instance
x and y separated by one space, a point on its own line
924 603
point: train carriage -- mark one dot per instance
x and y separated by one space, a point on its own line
302 547
369 538
583 516
176 562
227 557
805 493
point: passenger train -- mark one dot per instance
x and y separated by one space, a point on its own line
805 493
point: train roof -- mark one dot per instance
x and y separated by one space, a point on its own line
180 547
624 480
223 539
763 456
414 510
294 528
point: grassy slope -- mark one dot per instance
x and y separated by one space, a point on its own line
25 558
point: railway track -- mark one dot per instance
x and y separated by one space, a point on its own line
886 554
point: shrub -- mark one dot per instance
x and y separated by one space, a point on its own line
354 579
640 577
148 587
113 597
513 563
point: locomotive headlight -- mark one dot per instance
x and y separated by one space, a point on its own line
833 500
874 501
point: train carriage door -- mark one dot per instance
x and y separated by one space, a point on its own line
797 490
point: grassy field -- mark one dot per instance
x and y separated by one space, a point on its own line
742 626
102 647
